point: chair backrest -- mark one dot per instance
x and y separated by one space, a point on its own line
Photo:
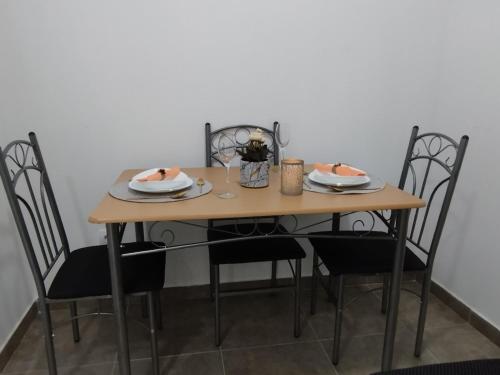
430 171
239 134
34 207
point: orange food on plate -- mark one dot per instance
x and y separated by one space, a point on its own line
162 174
339 169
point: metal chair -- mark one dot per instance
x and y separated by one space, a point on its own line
430 171
476 367
80 274
261 250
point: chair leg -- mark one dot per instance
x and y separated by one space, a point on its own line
73 311
212 282
144 306
152 307
314 283
274 271
331 288
424 301
338 319
385 293
217 304
44 312
159 319
298 275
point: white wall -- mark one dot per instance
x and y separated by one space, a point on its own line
468 102
114 85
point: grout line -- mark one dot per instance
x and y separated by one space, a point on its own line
329 360
354 336
443 326
333 322
269 345
324 350
434 356
351 336
222 362
313 330
63 367
115 362
175 355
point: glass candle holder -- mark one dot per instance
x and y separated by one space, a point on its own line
292 174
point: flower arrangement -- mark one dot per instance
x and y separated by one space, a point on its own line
256 150
254 167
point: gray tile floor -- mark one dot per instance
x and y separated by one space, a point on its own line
258 338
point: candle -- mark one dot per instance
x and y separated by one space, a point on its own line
292 174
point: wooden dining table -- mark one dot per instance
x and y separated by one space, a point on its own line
248 203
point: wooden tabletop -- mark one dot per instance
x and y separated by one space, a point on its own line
248 203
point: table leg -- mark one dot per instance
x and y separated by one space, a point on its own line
139 237
118 298
336 222
397 274
139 231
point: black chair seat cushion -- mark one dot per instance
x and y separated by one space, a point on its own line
476 367
86 272
363 255
261 250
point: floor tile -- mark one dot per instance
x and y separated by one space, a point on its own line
187 328
103 369
262 319
257 336
449 300
459 343
486 328
361 317
438 314
62 325
363 354
190 364
93 348
293 359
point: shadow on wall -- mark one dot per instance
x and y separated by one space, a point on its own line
17 289
455 234
78 212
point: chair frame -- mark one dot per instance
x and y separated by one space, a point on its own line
18 152
215 291
431 154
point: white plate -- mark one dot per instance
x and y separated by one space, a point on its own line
333 179
181 181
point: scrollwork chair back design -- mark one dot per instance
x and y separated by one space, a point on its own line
431 171
29 190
